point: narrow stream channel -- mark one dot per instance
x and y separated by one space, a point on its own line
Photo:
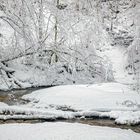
14 98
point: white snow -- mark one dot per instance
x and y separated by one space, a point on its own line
3 104
117 57
63 131
111 100
97 97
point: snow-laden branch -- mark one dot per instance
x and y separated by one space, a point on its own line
6 69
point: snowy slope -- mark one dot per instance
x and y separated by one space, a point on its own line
63 131
118 59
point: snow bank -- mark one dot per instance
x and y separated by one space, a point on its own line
63 131
3 104
112 100
97 97
24 112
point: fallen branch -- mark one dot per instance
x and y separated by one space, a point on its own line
5 68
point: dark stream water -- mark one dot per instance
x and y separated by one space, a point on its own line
14 98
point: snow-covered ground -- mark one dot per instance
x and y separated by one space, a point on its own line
96 97
3 104
117 57
112 100
63 131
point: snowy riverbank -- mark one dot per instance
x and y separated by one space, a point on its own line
111 100
63 131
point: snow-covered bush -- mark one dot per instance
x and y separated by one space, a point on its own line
134 49
55 39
